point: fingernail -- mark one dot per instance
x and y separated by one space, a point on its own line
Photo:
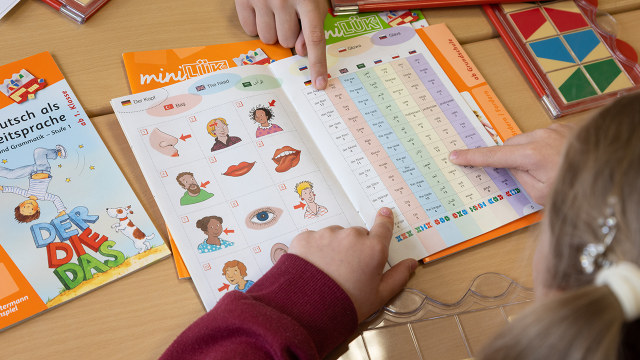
386 211
321 82
453 154
414 265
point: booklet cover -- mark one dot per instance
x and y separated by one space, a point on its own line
70 221
148 70
242 160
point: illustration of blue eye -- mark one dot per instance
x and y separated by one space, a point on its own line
263 218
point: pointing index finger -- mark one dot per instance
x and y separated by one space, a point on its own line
312 18
382 228
505 156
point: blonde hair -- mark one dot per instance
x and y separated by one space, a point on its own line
303 185
211 126
585 321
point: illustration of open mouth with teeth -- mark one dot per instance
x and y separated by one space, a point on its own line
286 157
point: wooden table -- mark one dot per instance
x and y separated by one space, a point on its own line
138 316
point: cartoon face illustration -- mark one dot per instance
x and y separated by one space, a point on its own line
218 127
212 227
304 189
194 193
238 170
235 272
28 207
263 218
262 115
163 143
277 250
286 158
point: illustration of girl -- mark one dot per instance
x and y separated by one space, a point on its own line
263 115
212 227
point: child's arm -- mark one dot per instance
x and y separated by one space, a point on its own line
57 202
277 20
307 304
15 190
533 158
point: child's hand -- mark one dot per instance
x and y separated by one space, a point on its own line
1 188
533 158
355 259
33 198
277 20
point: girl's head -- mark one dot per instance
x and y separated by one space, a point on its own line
262 115
575 319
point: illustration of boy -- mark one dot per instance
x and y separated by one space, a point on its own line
235 272
39 174
219 129
305 191
212 227
263 115
193 194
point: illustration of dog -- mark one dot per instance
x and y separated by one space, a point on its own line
140 239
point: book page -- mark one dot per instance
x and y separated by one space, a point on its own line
234 172
387 121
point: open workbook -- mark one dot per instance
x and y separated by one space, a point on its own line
242 160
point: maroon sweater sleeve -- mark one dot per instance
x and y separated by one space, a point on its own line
295 311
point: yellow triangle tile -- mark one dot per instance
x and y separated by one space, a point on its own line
564 5
600 52
621 82
544 31
559 77
550 65
509 7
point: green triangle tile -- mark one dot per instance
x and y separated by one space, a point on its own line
603 73
577 87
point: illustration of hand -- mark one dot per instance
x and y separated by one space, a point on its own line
61 213
1 188
33 198
355 258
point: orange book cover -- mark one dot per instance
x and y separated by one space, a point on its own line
484 103
148 70
71 223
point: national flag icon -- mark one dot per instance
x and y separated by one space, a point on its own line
340 50
126 103
307 83
344 71
246 84
395 56
382 37
377 61
303 68
411 52
168 107
360 66
200 88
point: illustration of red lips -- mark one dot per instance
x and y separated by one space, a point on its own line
240 169
286 157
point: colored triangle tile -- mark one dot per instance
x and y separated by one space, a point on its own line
585 44
572 84
550 65
563 5
552 49
603 73
528 22
544 31
511 7
600 52
566 20
621 82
